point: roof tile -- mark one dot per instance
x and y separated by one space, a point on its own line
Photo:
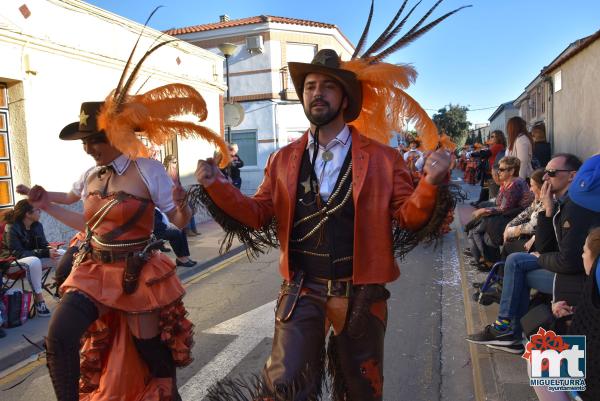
259 19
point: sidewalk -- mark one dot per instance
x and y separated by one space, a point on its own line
204 249
498 375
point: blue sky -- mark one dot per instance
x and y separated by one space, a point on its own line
481 57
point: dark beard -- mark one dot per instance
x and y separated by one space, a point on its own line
321 118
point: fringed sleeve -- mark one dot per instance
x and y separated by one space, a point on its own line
257 241
439 224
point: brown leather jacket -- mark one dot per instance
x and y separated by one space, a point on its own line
383 190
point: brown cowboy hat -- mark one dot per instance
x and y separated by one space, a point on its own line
328 62
87 124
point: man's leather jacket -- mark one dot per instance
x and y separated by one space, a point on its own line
382 192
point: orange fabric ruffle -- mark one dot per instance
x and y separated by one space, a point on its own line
158 285
111 368
177 332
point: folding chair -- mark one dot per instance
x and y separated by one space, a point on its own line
9 279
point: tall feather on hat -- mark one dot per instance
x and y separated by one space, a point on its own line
385 103
153 112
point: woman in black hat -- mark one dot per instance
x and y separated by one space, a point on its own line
108 290
122 295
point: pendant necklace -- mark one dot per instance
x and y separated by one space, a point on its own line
327 156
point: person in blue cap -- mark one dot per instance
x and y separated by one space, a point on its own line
585 188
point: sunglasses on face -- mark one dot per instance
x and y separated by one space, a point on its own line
553 172
503 169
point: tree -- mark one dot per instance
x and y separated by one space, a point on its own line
452 119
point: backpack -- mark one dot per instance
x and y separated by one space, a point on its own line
18 307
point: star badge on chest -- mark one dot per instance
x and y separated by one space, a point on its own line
306 185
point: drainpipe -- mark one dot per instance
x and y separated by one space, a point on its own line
275 128
550 129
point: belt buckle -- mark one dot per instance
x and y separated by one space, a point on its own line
346 291
106 257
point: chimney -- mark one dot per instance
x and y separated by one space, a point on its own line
224 18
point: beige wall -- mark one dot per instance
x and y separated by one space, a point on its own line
50 71
577 104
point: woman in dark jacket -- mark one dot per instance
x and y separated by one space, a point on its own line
25 240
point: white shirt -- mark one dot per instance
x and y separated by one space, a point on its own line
327 172
153 173
522 150
407 153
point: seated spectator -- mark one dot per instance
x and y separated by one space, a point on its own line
175 236
584 322
25 240
585 192
521 229
560 236
514 193
541 147
520 144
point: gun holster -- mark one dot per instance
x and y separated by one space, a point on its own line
288 297
364 297
131 275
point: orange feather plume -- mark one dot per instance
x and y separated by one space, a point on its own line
152 115
386 105
447 143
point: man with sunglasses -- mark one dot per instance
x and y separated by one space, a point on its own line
559 238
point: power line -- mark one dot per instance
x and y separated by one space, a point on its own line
483 108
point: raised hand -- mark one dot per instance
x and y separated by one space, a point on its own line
179 196
22 189
207 172
547 198
437 167
38 197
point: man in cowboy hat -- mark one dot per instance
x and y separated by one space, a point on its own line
333 205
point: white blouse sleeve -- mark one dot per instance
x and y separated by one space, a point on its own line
79 186
159 184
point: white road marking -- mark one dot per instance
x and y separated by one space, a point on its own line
251 328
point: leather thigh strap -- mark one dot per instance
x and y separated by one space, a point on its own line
357 364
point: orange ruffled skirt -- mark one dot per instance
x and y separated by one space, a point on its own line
111 368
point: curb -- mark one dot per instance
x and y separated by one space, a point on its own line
13 359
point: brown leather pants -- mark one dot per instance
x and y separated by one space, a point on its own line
298 354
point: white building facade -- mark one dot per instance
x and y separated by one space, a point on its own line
501 115
56 55
259 81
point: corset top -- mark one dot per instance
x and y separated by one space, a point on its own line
119 216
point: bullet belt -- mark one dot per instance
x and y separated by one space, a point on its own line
103 256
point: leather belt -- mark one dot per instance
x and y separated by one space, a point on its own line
335 288
103 256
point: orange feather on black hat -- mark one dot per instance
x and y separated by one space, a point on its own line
123 116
